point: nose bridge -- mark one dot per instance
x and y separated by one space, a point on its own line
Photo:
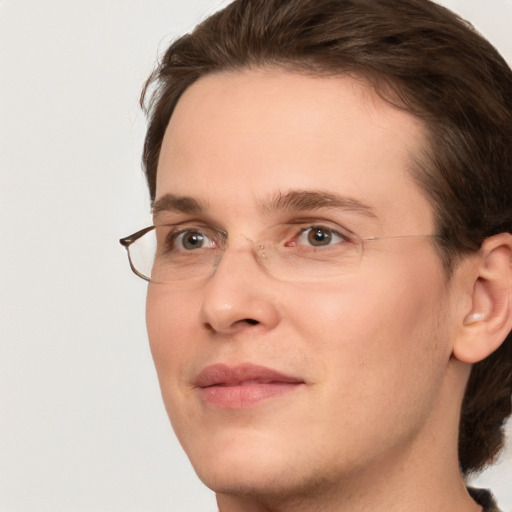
242 250
238 293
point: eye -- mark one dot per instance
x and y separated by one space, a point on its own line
320 236
191 240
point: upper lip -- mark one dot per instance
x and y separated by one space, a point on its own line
223 375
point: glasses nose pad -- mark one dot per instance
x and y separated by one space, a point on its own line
260 250
264 255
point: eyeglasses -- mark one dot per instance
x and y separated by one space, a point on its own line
296 252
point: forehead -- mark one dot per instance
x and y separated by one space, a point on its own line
239 137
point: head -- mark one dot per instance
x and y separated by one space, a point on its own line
452 89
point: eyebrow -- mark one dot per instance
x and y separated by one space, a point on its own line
292 201
304 200
177 204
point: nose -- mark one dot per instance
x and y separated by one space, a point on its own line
239 295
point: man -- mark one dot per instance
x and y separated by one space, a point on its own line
329 307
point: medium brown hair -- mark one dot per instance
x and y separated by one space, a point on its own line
420 57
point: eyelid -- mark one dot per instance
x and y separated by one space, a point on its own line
192 225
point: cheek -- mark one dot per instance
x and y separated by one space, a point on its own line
375 334
170 323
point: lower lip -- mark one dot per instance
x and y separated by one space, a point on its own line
239 397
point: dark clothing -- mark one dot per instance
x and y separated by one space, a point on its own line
484 498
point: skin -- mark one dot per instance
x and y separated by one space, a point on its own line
374 427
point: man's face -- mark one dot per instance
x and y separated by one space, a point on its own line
358 360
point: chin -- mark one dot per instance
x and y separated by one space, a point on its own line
239 457
265 483
250 478
229 461
263 467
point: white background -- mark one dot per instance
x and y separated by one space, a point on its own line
82 427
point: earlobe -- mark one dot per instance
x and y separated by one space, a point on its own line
489 319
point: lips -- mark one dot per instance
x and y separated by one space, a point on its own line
242 386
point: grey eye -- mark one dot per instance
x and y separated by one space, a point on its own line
191 240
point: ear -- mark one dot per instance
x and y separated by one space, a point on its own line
488 320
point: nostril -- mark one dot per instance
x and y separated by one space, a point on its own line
248 321
209 327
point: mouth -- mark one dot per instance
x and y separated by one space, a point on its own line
243 386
